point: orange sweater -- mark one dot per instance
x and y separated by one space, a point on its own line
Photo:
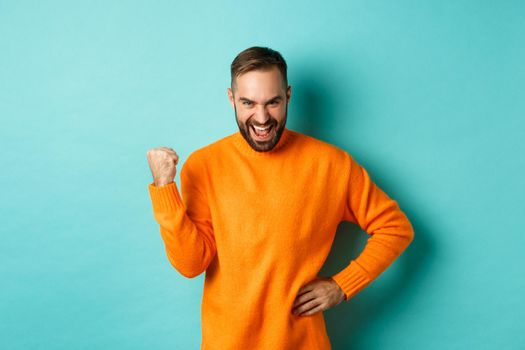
261 225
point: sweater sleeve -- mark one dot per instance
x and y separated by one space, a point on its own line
185 222
380 217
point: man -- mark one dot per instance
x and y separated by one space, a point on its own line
258 211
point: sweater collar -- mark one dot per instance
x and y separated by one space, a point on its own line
245 147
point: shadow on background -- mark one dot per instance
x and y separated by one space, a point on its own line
347 321
316 107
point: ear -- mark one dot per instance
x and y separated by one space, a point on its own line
231 97
288 93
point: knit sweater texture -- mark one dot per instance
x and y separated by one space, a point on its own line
261 225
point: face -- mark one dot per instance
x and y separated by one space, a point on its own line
260 102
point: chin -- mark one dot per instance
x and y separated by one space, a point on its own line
263 146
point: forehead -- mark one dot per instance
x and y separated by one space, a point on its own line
260 83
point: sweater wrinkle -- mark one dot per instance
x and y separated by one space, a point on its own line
260 230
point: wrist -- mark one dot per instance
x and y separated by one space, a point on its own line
160 183
338 287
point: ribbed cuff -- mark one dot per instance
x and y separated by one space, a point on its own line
165 198
351 279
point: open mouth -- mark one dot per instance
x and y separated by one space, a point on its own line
261 133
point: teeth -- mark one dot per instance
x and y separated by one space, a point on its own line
261 129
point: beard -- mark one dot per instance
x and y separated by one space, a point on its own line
263 146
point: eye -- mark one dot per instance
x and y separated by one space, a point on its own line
246 103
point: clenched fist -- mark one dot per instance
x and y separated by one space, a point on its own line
162 162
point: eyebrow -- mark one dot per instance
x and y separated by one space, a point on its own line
270 100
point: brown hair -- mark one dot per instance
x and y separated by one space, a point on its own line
258 58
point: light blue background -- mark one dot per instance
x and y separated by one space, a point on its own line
428 96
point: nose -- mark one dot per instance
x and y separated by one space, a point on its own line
261 116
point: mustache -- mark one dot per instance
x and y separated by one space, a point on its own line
262 126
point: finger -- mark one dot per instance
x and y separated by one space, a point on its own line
174 156
303 299
312 311
306 306
305 289
301 304
169 150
